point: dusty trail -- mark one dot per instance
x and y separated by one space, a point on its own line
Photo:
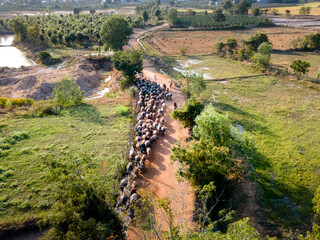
159 176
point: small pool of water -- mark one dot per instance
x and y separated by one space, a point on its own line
11 56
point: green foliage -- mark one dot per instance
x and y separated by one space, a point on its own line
226 5
256 11
207 21
231 44
242 7
128 62
81 211
172 16
198 84
20 29
305 10
115 32
188 112
300 67
213 125
76 11
203 162
44 57
219 46
15 102
255 41
262 58
262 61
218 16
124 111
309 41
68 93
190 12
145 16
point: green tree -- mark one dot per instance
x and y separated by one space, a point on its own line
214 126
157 13
255 41
262 58
242 7
129 63
80 210
76 11
92 11
67 92
226 5
218 16
44 57
172 16
20 29
231 44
198 84
115 32
300 67
256 11
34 32
145 16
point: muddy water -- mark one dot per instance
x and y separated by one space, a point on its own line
11 56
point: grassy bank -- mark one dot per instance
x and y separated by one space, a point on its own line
283 118
97 130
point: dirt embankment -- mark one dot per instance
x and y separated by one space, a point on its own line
37 82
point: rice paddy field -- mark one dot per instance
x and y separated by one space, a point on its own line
97 131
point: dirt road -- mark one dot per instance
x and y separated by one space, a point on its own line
159 176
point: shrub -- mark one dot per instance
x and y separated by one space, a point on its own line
215 126
41 109
255 41
300 67
183 50
44 57
187 114
123 110
19 102
3 102
68 93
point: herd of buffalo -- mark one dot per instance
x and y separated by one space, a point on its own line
150 125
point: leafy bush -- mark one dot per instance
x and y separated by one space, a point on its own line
18 102
128 62
123 110
68 93
44 57
188 112
41 109
213 125
255 41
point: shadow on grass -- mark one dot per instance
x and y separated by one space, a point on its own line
86 113
248 125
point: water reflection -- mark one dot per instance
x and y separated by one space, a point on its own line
11 56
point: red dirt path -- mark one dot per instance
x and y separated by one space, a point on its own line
159 176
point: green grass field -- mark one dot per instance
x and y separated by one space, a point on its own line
285 59
283 117
99 130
